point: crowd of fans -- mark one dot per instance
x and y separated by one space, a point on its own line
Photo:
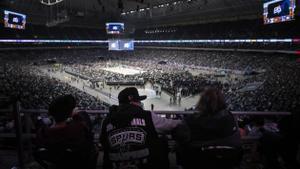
36 90
277 73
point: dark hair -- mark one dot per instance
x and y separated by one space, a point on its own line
211 101
62 107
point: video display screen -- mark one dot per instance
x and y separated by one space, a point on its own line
14 20
114 28
120 45
276 11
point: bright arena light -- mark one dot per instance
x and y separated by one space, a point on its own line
113 45
126 45
272 40
50 41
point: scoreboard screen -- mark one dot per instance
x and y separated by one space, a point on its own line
276 11
120 44
114 28
14 20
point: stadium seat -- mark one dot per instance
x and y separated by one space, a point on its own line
66 158
210 156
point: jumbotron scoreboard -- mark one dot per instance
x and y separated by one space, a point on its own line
120 44
115 28
276 11
14 20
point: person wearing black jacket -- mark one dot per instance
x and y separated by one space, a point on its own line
129 135
212 134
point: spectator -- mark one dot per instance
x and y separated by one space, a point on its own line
211 126
68 142
281 145
130 134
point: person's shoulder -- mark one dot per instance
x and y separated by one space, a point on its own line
146 112
75 129
52 132
113 108
224 114
192 117
75 124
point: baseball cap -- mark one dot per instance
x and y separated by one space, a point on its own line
130 91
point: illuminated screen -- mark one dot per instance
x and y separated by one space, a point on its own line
114 28
276 11
120 45
14 20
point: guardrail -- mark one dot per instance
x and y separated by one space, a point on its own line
255 113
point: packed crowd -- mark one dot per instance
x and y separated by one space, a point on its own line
279 74
36 90
233 46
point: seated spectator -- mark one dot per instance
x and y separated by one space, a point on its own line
214 139
129 135
279 149
67 143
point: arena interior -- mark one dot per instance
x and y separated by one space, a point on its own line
170 50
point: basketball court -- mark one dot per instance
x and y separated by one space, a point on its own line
124 70
109 94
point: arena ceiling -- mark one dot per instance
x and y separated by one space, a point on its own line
140 13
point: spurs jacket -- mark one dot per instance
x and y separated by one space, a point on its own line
130 140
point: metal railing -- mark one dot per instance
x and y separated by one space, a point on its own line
164 112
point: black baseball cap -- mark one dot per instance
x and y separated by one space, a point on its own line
130 91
